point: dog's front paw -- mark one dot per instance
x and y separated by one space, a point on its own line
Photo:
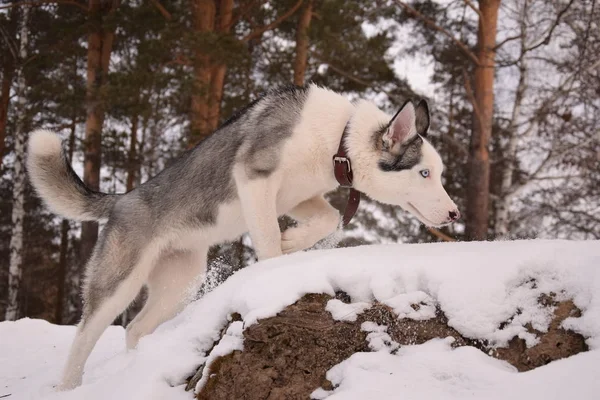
295 239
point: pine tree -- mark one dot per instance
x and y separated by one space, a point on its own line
15 270
302 43
478 188
10 51
213 23
100 42
145 109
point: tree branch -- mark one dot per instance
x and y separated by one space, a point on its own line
472 6
508 39
42 2
346 74
546 40
9 42
354 78
550 178
180 59
432 24
440 235
242 11
259 31
162 10
551 156
456 144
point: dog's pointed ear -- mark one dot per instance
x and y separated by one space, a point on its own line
422 118
401 128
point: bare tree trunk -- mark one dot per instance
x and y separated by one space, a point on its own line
150 155
7 78
15 269
8 72
203 15
132 157
302 44
505 198
141 148
99 50
64 244
218 71
479 162
209 74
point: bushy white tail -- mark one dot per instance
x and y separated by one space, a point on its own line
58 185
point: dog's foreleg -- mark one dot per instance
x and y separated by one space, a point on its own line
316 218
258 199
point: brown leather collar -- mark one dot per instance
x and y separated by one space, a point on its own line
342 168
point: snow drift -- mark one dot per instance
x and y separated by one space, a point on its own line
489 292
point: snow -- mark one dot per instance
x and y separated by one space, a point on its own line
378 338
434 370
341 311
402 305
232 340
477 285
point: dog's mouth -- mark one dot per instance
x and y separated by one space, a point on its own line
414 210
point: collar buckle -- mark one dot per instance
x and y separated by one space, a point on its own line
341 159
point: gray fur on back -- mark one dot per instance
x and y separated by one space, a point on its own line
188 193
201 179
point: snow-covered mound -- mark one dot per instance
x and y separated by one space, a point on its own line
489 291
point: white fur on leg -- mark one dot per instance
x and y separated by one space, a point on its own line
92 326
172 284
258 200
89 331
317 219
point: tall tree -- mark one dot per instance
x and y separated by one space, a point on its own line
203 14
8 48
354 47
555 195
213 22
302 42
100 42
18 212
480 92
223 26
505 196
478 189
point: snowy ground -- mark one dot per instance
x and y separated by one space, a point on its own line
477 285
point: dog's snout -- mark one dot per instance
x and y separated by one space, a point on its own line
454 215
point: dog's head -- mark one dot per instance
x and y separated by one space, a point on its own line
404 168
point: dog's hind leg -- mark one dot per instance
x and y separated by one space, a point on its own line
316 220
173 282
116 272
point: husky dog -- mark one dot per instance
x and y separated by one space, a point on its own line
272 158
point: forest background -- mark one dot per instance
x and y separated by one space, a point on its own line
513 85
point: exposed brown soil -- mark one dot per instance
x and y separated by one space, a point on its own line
555 344
287 356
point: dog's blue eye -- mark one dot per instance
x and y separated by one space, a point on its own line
424 173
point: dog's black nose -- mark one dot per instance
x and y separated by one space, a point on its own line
454 215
